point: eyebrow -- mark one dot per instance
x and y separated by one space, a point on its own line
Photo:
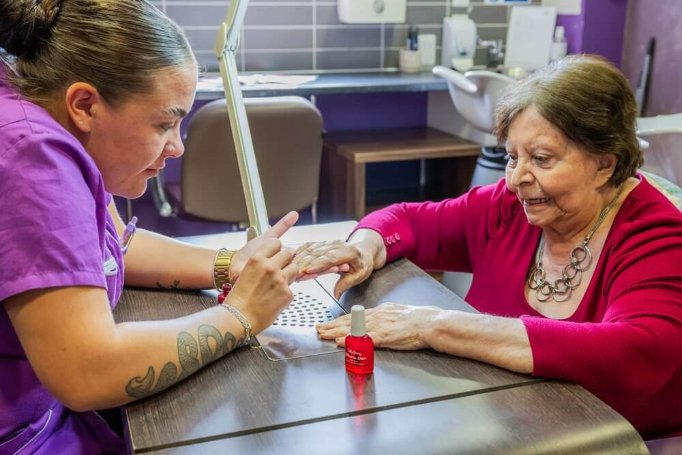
176 111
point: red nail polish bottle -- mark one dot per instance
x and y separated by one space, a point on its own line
359 346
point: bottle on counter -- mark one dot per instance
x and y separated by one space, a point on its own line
359 345
559 45
412 38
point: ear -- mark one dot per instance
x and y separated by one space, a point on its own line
82 100
606 165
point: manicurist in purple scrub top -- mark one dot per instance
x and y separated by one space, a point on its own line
92 93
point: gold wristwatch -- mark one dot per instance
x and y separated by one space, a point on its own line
221 267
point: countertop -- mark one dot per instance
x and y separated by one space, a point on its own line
341 83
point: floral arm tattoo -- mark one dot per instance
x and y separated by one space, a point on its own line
193 354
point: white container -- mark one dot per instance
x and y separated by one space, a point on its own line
459 42
559 46
427 49
372 11
409 61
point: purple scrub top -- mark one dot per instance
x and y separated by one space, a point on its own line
54 231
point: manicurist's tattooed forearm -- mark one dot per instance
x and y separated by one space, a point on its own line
174 286
192 355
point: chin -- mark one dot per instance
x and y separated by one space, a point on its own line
131 193
534 220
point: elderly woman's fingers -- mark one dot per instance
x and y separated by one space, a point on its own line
341 321
390 325
320 256
350 279
347 281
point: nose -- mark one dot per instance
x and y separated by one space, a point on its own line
520 173
175 147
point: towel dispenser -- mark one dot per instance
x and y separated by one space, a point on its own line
372 11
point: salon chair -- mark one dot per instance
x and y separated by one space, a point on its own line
287 139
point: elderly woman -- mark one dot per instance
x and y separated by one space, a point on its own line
576 258
92 93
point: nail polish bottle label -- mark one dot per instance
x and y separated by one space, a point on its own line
359 346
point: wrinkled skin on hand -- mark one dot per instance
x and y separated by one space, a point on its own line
390 325
354 263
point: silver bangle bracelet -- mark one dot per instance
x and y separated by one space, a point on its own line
242 320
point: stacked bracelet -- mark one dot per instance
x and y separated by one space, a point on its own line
221 268
242 320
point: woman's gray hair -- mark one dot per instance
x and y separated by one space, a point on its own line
589 100
115 45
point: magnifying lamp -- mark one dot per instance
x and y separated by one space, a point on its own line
225 50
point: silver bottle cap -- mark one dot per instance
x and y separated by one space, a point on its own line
357 321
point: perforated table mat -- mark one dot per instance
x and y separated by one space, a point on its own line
293 334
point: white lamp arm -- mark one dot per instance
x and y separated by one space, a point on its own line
225 49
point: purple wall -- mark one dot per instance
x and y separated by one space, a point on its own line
598 29
372 110
378 111
604 28
661 19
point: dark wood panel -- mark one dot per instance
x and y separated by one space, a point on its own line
245 391
543 418
345 154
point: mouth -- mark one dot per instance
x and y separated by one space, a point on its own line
530 202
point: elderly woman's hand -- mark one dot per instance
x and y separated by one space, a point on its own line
390 325
354 262
355 259
242 256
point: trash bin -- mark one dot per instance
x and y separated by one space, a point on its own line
490 166
489 169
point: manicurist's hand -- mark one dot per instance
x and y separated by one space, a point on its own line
241 257
355 259
262 290
390 325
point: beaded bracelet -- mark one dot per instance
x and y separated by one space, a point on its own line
227 287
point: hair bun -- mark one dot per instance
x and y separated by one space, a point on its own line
26 25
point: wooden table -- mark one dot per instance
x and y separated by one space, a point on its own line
347 153
415 402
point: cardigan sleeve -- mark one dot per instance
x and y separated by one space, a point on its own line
438 235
